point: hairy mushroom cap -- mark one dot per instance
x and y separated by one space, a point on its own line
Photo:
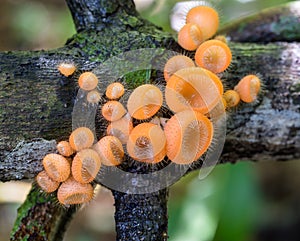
206 18
114 91
93 97
81 138
232 98
88 81
190 37
113 110
64 148
72 192
176 63
193 88
147 143
46 183
66 69
144 101
189 134
213 55
85 166
110 150
121 128
248 88
57 167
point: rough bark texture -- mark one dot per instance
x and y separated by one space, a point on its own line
97 14
147 219
43 221
274 24
36 102
268 129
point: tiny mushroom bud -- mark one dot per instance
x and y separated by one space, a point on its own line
66 69
88 81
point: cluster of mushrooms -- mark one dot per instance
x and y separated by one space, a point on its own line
193 92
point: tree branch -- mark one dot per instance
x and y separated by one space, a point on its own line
41 218
269 129
280 23
51 97
95 14
151 211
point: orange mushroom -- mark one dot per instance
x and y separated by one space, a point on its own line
66 69
72 192
232 98
57 167
81 138
113 110
189 134
213 55
46 183
93 97
190 37
64 148
176 63
121 128
114 91
193 88
88 81
85 166
206 18
110 150
248 88
144 101
147 143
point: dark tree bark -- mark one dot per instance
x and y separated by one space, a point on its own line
40 218
146 221
271 25
97 14
36 102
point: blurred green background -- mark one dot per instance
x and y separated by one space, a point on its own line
241 202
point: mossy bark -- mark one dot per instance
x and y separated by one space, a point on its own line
279 23
36 102
268 129
41 218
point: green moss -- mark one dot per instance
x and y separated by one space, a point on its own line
296 88
108 7
137 78
35 197
131 21
100 45
242 27
280 23
288 27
